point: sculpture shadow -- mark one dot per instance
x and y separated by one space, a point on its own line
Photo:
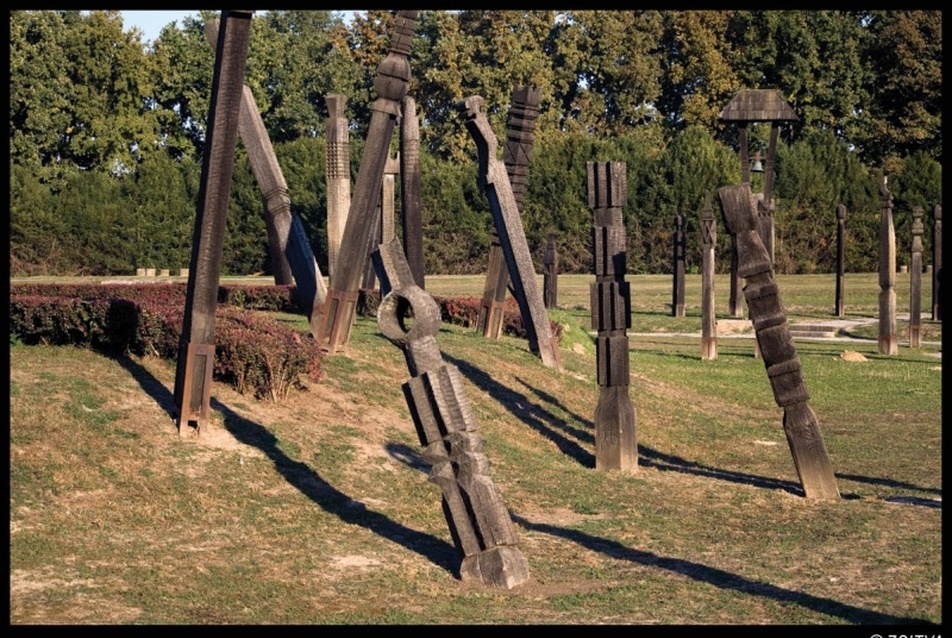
720 578
647 457
306 480
533 415
409 456
889 483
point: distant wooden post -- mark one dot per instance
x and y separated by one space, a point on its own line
736 299
196 356
550 274
411 190
480 523
677 295
915 280
937 263
708 320
887 342
517 155
505 211
840 258
615 420
779 351
337 315
338 177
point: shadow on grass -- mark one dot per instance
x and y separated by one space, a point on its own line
719 578
305 479
533 415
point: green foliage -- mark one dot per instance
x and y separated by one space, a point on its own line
106 135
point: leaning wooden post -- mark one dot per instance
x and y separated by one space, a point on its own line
512 237
776 344
887 343
708 317
915 280
338 313
616 446
411 190
292 258
479 521
840 257
937 263
196 356
517 154
677 292
337 177
550 273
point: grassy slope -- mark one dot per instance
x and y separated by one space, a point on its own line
319 510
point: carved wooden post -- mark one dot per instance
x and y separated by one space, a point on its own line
512 237
517 154
337 314
196 356
915 280
677 296
708 316
937 263
290 250
615 421
474 508
777 347
735 301
887 343
840 257
411 189
338 177
550 273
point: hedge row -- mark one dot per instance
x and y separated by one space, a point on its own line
255 354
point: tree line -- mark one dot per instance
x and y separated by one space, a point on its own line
107 131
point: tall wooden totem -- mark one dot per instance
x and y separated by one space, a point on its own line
616 445
708 316
776 344
915 280
196 357
479 521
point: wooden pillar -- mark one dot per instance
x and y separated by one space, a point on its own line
411 190
708 316
777 347
197 349
840 258
887 342
386 217
616 445
512 237
338 177
915 280
337 315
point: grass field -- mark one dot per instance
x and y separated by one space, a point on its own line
319 510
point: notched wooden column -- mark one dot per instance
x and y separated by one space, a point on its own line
616 446
776 345
479 521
